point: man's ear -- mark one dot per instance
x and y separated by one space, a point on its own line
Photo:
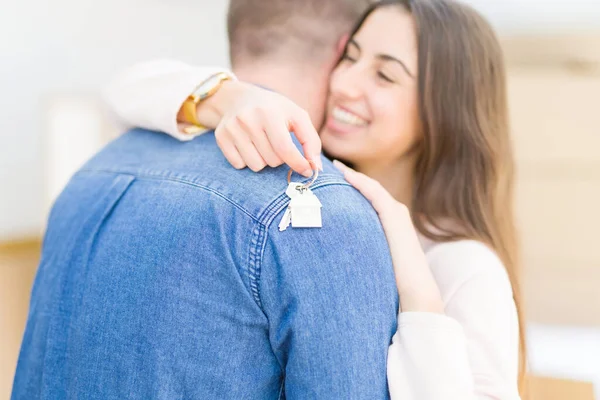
342 45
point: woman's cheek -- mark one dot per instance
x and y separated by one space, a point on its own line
387 117
395 128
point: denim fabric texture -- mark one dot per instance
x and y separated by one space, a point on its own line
164 276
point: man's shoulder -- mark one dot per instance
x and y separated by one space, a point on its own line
200 164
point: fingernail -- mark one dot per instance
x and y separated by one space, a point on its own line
316 161
308 173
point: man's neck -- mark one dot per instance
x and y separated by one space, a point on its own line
305 86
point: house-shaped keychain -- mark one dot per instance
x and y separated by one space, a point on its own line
306 210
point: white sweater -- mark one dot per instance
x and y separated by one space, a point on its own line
469 353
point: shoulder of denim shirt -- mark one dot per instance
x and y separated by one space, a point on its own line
199 163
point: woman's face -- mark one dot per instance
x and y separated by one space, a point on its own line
372 109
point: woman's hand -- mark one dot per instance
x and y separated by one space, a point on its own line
416 285
255 125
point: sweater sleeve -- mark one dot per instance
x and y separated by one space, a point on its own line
149 94
472 351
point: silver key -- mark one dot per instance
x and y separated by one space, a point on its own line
286 220
292 191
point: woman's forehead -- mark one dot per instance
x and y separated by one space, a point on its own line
389 30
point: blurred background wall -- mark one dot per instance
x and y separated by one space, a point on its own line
61 48
56 56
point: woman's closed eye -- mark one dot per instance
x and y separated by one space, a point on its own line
347 57
385 77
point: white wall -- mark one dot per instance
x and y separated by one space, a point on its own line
541 16
565 352
50 48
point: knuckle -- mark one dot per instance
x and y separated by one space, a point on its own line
281 147
274 162
262 111
256 135
219 130
244 116
257 166
219 134
236 162
288 154
228 128
222 142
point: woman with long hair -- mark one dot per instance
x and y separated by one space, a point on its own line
418 108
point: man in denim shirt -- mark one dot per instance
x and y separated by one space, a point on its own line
164 274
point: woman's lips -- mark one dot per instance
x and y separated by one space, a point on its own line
343 121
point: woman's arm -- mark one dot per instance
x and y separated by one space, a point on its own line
472 351
457 335
150 94
252 125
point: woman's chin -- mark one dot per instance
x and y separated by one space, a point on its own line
344 149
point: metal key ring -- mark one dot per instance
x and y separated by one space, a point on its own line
314 178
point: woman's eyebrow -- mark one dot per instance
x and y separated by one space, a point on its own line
384 57
387 57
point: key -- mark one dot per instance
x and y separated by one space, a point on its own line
292 192
286 220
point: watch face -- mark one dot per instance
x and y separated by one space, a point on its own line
209 86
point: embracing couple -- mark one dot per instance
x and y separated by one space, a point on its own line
171 268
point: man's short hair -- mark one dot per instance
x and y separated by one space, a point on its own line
302 28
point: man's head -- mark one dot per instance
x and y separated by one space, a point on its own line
284 37
298 30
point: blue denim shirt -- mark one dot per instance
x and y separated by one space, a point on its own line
164 276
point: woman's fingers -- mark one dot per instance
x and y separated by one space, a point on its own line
302 127
228 148
278 134
248 151
261 142
259 138
235 134
259 129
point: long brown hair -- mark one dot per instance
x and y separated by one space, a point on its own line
465 171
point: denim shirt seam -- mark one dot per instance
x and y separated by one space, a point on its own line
171 178
259 237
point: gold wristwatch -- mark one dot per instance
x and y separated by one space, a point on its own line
203 91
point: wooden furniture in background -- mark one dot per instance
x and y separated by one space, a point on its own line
559 389
18 263
554 89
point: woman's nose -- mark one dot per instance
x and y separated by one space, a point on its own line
347 82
